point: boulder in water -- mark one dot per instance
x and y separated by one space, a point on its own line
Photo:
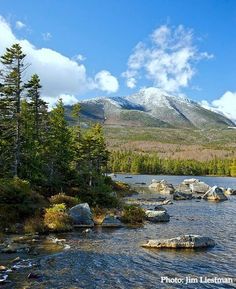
230 191
183 188
111 222
81 215
162 187
190 181
181 242
157 216
215 194
199 187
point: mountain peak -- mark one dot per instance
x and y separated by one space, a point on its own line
152 96
152 106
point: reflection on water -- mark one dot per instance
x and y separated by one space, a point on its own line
108 258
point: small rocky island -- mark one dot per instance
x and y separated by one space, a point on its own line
182 242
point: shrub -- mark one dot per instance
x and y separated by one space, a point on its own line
34 225
17 201
120 186
99 214
61 198
133 215
99 195
123 189
56 219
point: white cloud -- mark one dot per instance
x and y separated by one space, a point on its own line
46 36
80 57
106 82
20 25
66 98
226 105
60 76
167 59
131 82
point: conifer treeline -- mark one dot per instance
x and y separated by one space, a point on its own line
139 163
38 145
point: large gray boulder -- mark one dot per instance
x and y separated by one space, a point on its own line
199 187
183 188
215 194
111 222
157 216
81 215
179 196
162 187
185 241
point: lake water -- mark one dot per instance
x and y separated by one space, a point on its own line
113 258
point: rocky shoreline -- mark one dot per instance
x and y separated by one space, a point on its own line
25 252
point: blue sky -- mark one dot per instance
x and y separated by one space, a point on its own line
101 37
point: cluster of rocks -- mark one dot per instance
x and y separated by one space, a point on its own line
162 187
82 216
191 188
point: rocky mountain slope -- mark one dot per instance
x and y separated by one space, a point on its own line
150 107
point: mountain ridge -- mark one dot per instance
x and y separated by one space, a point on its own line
151 107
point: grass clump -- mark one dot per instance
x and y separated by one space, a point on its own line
56 219
133 215
34 225
62 198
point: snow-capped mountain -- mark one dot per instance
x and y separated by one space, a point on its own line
152 107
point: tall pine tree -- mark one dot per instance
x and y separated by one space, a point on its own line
59 151
10 109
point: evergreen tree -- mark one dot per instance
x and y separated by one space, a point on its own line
10 109
92 154
60 150
34 133
38 107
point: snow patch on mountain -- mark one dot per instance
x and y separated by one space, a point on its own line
153 96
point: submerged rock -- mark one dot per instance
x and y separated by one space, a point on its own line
185 241
215 194
199 187
16 248
81 215
179 196
159 208
166 202
157 216
111 222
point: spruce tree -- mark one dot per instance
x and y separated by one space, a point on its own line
35 118
38 107
60 150
10 109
